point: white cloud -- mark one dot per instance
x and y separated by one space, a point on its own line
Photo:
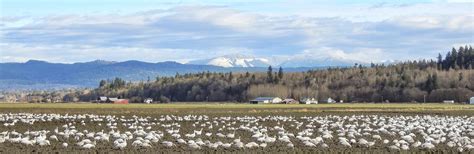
221 16
465 23
363 55
420 22
455 23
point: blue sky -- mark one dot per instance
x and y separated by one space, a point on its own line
184 30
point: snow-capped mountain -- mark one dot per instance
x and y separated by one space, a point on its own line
302 60
236 60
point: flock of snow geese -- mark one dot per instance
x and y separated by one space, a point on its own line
193 132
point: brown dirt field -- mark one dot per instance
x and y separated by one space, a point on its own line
218 112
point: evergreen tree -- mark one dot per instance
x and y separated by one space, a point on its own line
460 58
440 62
280 73
230 76
102 83
447 61
270 74
454 58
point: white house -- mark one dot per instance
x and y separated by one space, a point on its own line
471 101
112 99
148 101
289 101
330 100
309 101
266 100
102 99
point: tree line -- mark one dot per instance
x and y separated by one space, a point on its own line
449 78
463 58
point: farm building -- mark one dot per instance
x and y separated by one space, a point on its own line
112 99
309 101
289 101
448 101
148 101
471 101
121 101
102 99
330 100
266 100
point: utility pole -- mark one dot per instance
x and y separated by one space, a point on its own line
424 98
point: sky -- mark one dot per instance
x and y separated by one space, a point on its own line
185 30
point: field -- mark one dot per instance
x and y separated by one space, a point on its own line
224 127
226 108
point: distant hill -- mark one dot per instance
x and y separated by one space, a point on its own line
449 78
36 74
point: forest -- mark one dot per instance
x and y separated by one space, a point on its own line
450 77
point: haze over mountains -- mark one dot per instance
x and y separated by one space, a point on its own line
35 74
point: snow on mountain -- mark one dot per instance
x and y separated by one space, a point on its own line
236 60
299 60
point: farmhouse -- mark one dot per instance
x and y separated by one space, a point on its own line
330 100
290 101
471 101
266 100
148 101
115 100
309 101
102 99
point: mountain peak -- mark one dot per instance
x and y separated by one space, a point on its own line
98 61
32 61
238 55
233 60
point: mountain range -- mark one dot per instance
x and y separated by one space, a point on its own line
236 60
35 74
241 60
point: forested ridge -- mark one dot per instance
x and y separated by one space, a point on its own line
450 77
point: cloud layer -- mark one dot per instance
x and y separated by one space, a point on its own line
187 33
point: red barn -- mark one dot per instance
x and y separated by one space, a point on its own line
121 101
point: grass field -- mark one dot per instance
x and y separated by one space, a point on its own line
200 108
